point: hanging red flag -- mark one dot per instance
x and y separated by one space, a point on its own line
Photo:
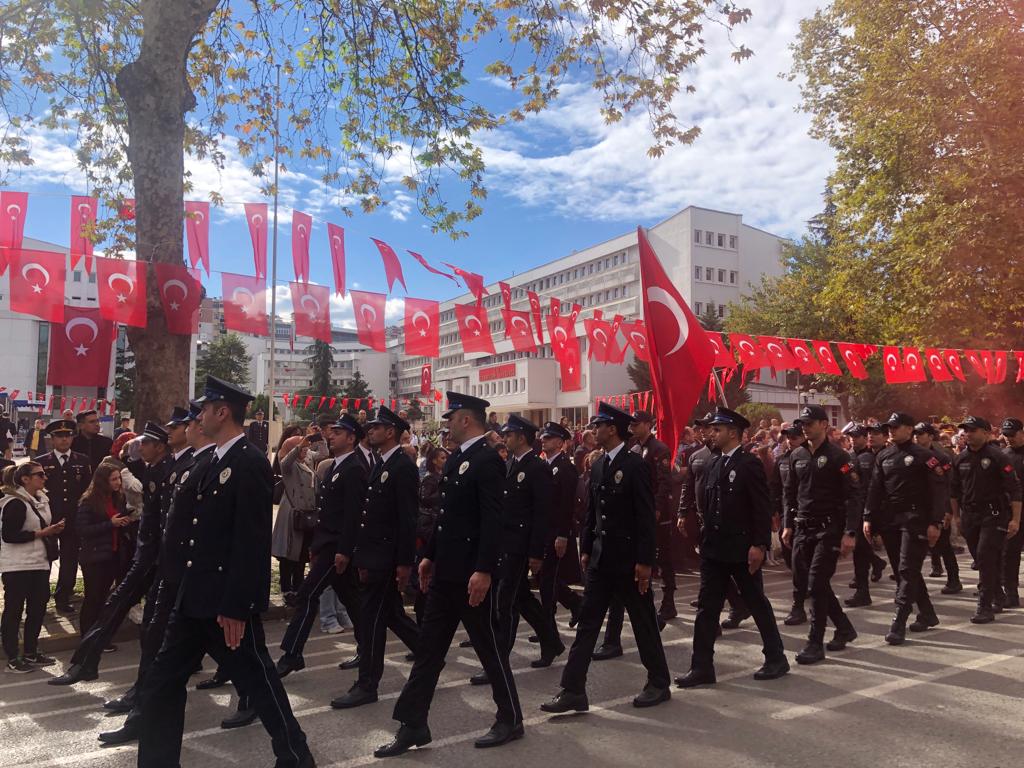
302 229
555 306
426 378
996 366
323 399
936 365
37 283
474 282
616 352
805 361
506 294
636 335
892 365
257 217
427 266
197 232
180 295
121 284
336 240
344 402
369 311
974 358
422 320
1020 366
751 355
311 310
574 313
83 222
474 330
126 209
309 399
561 331
779 356
952 360
828 360
535 310
913 367
570 366
681 355
851 354
598 338
13 208
245 303
723 357
287 397
73 403
330 405
392 266
517 328
80 349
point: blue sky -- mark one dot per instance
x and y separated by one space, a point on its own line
561 181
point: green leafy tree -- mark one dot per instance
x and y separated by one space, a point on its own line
224 357
260 403
640 374
124 380
356 387
415 410
320 358
754 412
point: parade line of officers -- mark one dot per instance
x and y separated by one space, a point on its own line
202 560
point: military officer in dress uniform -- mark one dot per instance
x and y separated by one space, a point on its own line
736 534
903 485
68 474
1013 429
89 441
986 500
561 556
258 431
823 489
867 443
458 573
619 552
941 463
794 435
385 549
225 588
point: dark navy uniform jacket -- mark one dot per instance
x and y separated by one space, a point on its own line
620 527
984 483
181 515
525 508
824 488
386 536
901 490
156 488
737 508
340 499
65 485
564 478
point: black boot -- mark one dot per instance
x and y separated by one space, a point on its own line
797 615
859 599
983 615
877 568
1012 599
897 634
923 623
668 611
952 588
812 653
842 636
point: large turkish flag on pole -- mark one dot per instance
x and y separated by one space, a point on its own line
311 311
422 318
80 349
681 354
474 329
245 303
369 311
121 285
37 284
180 295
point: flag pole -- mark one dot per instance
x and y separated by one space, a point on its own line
273 257
718 386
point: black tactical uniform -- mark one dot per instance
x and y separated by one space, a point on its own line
944 560
558 572
1012 547
783 467
867 566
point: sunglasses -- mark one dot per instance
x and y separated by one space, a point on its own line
40 473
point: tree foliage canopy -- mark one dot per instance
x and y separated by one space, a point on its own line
225 357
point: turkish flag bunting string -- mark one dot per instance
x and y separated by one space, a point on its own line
197 232
599 337
913 367
892 366
566 348
778 354
13 209
336 241
426 378
121 284
311 311
535 311
937 366
431 268
574 313
80 349
518 328
952 360
302 227
369 311
506 299
256 216
245 303
616 351
751 354
827 359
422 320
555 306
852 356
37 283
805 361
723 357
474 330
180 294
392 266
636 335
474 282
83 220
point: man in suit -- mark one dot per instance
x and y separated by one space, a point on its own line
68 474
619 551
35 440
736 534
258 431
89 440
456 572
385 549
225 588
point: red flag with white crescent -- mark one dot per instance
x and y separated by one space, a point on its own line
83 221
392 266
474 330
749 352
302 231
723 357
474 282
682 357
1020 365
937 366
13 208
913 367
506 294
256 215
311 310
974 358
121 284
422 320
952 360
426 378
369 311
828 360
336 241
598 338
779 356
180 295
636 335
851 354
197 231
245 303
892 365
535 311
996 366
805 361
561 330
518 328
37 283
616 351
80 349
555 306
571 366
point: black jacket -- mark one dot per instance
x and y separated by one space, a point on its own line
564 479
96 449
691 497
65 485
156 488
181 515
658 459
984 483
737 508
468 534
227 572
901 488
525 508
824 488
340 498
386 536
96 534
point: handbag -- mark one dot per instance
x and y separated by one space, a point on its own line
303 520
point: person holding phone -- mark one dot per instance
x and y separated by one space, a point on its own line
293 527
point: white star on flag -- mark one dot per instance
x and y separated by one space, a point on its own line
36 288
81 350
121 298
175 306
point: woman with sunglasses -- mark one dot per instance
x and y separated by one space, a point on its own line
29 545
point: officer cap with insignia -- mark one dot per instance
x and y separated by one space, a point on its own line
155 432
705 421
218 390
793 429
553 429
195 407
1011 426
83 415
349 422
901 420
645 417
458 401
974 422
855 429
878 426
179 417
519 424
813 413
609 414
387 418
60 428
924 428
724 417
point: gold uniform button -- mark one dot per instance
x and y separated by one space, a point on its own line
191 542
188 564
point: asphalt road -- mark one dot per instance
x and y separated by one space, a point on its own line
949 697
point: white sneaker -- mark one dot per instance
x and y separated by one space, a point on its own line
335 630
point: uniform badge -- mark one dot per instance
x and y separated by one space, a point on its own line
172 478
618 477
463 467
520 477
908 460
732 476
554 470
986 463
644 452
822 461
383 475
225 475
152 487
184 476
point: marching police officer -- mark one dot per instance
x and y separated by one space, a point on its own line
941 464
619 551
384 553
457 572
794 435
902 485
1013 429
736 534
225 588
986 499
68 474
867 443
823 489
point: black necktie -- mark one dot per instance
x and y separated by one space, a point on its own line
62 459
512 467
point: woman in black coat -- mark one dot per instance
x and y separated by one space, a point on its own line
101 516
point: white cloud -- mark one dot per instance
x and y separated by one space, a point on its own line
341 308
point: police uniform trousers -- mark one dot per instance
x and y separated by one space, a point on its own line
666 563
514 598
985 537
605 585
164 692
911 589
943 555
307 600
715 577
801 575
1011 564
864 558
816 548
554 588
381 608
447 605
128 593
68 572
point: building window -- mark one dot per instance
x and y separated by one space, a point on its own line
696 236
698 308
733 275
709 238
721 310
76 276
698 273
721 241
709 274
733 242
721 275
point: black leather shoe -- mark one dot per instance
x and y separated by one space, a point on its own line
936 573
811 654
574 618
240 719
1012 600
355 697
651 696
897 634
566 701
733 620
924 623
841 638
997 603
772 670
797 615
352 663
406 738
546 659
858 600
877 569
696 677
533 639
466 644
66 608
953 588
123 735
607 652
500 733
410 656
480 678
661 624
983 616
76 674
288 664
211 683
122 704
695 603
